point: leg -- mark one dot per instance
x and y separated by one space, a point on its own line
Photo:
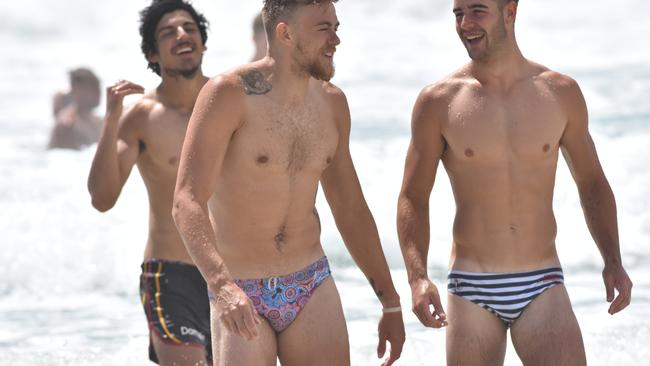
230 349
171 354
547 333
474 335
322 316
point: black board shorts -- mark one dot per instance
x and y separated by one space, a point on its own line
175 300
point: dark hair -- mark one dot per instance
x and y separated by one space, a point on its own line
276 11
82 75
151 15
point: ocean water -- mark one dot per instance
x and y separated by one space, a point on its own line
68 288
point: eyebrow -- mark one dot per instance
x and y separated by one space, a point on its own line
473 6
329 24
167 27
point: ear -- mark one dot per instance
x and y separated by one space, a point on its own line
511 11
284 33
153 58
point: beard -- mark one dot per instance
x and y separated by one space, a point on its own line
186 73
314 67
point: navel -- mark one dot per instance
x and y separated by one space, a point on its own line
546 148
173 160
469 153
328 160
262 159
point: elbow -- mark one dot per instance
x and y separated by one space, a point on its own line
102 205
101 202
178 207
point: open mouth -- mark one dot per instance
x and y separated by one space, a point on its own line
329 54
474 38
184 49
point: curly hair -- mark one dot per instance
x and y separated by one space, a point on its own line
151 15
276 11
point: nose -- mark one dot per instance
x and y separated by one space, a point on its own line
335 40
181 33
465 21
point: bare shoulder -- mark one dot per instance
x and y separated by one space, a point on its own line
137 115
558 82
333 94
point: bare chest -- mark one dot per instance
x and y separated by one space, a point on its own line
524 127
161 143
286 140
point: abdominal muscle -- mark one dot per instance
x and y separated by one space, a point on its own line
268 228
502 239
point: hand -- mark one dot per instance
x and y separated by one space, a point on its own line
67 116
115 95
615 277
391 329
235 310
424 294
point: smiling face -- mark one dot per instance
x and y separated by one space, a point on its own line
179 48
481 26
315 27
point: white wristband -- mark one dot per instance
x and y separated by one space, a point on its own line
395 309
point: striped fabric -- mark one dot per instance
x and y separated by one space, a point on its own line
506 295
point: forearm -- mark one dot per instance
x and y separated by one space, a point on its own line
599 207
193 223
361 238
104 178
413 233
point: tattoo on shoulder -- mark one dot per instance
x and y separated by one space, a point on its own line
374 287
254 83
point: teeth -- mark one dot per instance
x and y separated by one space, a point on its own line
184 50
473 37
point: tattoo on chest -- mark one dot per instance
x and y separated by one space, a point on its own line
374 287
254 83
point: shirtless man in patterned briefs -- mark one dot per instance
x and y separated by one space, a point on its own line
498 124
150 135
261 138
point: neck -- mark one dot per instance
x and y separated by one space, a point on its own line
179 92
288 83
504 66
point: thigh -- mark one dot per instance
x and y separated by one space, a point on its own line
474 335
318 335
178 354
231 349
547 333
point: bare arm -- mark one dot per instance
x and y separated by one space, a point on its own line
217 115
596 196
424 153
357 227
117 149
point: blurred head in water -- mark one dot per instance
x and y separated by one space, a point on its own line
173 37
259 37
84 88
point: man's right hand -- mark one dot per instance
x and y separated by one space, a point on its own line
115 95
424 295
235 310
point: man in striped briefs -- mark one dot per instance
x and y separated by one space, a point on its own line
498 124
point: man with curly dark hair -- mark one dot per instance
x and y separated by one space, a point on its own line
150 135
261 138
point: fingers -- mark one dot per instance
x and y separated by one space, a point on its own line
123 88
395 352
249 323
609 288
381 347
623 299
438 310
432 319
